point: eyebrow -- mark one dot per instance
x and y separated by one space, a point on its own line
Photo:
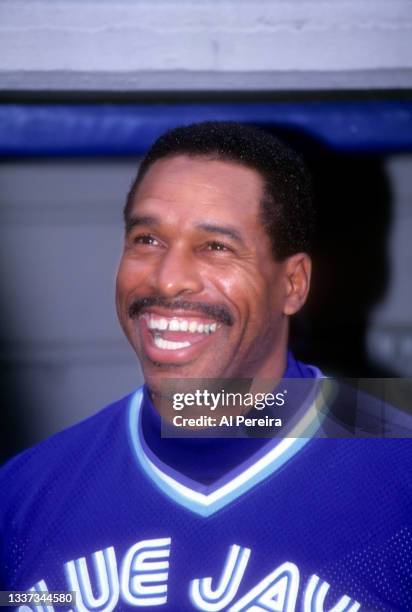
231 232
139 220
228 231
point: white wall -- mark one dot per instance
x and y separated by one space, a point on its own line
61 236
205 44
390 336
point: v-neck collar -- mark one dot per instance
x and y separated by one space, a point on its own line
205 500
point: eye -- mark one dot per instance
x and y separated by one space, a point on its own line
145 239
217 246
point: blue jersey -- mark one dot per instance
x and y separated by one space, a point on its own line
295 524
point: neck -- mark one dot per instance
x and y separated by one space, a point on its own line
269 359
256 378
206 459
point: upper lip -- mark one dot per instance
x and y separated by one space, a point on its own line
181 308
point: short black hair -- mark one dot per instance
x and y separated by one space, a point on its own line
287 210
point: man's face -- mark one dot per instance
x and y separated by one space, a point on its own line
199 293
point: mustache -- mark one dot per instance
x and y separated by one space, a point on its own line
221 314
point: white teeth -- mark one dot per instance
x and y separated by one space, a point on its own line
163 324
157 323
168 345
192 327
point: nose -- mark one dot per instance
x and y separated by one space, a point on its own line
176 273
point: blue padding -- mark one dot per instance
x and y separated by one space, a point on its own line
39 130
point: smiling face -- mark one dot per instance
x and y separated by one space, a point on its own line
199 293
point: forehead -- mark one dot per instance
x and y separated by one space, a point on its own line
197 187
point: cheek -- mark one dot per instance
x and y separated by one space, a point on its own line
259 298
246 293
130 275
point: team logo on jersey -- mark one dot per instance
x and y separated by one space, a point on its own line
141 580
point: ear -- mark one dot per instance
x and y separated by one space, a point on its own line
298 269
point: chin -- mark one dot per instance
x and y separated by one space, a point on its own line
157 373
154 372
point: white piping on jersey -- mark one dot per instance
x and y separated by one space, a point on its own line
206 504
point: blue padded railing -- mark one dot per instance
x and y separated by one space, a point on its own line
129 129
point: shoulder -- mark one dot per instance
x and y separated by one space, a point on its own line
61 456
365 409
369 439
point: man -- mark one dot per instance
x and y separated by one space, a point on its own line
218 226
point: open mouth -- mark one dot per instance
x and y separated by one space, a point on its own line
177 337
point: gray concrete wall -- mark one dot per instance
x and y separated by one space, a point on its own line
204 44
60 241
390 336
